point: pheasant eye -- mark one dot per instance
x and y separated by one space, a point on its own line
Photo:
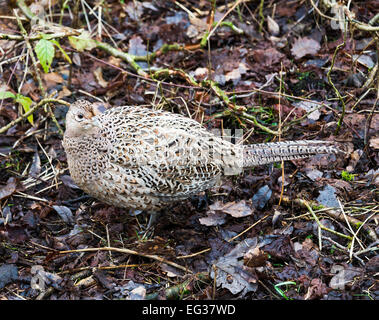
79 117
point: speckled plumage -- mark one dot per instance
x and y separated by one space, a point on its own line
137 158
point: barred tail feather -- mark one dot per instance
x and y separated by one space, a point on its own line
258 154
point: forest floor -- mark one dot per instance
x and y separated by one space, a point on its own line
289 70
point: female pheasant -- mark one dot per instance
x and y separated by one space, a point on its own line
137 158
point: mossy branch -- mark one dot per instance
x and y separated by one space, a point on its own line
129 58
40 104
36 70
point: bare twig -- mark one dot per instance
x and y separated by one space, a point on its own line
339 123
128 251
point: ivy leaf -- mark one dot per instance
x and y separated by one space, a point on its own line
82 42
6 95
26 102
45 53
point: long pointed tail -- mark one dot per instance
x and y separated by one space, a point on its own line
258 154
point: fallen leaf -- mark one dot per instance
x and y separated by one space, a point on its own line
344 276
67 181
65 213
8 273
8 189
272 26
255 257
328 197
42 279
267 57
52 78
262 196
311 108
98 73
232 274
303 46
317 289
364 60
235 209
374 143
213 219
35 168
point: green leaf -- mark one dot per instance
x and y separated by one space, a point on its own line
61 50
82 42
45 53
26 102
6 95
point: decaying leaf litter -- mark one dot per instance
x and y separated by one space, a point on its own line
304 70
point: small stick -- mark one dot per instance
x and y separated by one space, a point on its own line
128 251
27 114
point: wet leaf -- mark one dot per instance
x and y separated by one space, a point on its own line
313 174
317 289
42 279
65 213
35 168
343 276
267 57
231 273
262 196
255 257
328 197
8 273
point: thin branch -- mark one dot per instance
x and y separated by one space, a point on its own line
32 109
128 251
36 70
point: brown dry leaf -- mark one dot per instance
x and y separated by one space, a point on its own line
51 79
65 92
304 46
267 57
317 289
272 26
213 219
235 74
255 257
197 27
8 189
114 61
235 209
201 74
28 88
99 77
374 143
230 272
